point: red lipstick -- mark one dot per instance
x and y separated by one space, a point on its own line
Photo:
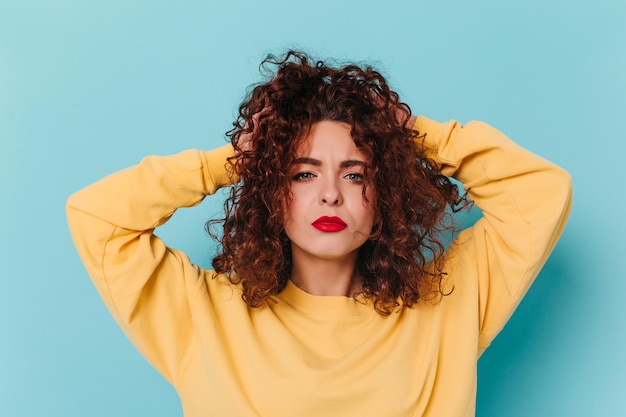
329 224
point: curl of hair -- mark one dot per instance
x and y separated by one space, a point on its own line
402 261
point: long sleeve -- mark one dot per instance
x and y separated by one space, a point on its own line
525 202
146 285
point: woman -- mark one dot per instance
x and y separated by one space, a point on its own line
332 295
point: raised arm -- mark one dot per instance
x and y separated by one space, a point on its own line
145 284
525 202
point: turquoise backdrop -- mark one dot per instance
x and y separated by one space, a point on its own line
89 87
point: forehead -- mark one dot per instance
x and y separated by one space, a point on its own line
330 140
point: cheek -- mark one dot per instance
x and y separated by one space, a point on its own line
290 211
366 213
285 216
371 214
286 203
370 202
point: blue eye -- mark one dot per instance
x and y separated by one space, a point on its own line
354 177
303 176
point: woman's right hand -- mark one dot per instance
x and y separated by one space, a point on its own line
245 139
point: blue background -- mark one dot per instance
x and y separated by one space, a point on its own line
87 88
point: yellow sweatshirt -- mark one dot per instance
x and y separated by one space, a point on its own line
303 355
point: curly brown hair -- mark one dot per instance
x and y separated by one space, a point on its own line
402 261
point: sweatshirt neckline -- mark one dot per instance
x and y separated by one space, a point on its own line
334 304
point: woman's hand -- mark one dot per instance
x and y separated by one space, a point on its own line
411 122
399 113
245 139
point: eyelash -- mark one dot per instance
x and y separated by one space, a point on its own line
356 177
300 176
306 176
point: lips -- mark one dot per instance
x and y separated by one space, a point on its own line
330 224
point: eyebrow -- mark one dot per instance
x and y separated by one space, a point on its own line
316 162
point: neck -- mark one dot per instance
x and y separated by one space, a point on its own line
325 277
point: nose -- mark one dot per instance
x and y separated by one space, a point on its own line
330 194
